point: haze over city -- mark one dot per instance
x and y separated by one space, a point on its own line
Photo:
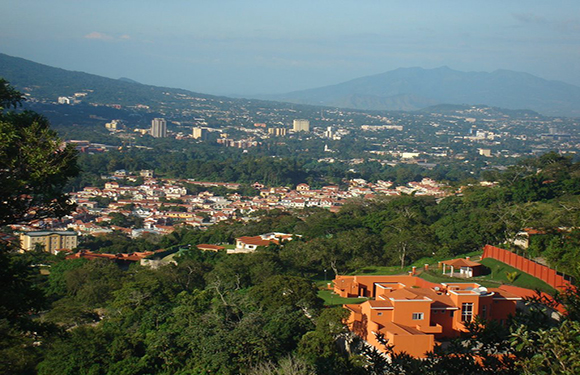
263 47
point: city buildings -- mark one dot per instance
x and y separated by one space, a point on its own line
51 241
300 125
158 128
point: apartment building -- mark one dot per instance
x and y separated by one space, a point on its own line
52 241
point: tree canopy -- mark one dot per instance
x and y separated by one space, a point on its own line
34 164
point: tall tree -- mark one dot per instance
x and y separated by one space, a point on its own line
34 164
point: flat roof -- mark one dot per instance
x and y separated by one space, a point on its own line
49 232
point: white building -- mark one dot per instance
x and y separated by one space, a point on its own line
158 128
301 125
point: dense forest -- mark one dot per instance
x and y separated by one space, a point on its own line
260 313
212 163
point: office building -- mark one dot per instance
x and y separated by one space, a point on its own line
199 133
277 132
329 133
300 125
158 128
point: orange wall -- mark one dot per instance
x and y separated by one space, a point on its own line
351 286
416 345
403 312
540 271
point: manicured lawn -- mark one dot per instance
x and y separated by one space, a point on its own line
495 278
523 280
378 270
420 263
332 299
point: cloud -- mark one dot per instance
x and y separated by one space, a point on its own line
99 36
563 25
529 18
95 35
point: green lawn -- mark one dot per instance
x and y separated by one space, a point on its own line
382 270
420 263
524 280
332 299
494 279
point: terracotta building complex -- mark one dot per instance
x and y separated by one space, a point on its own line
412 313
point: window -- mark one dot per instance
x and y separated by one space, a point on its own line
484 311
466 311
417 316
379 314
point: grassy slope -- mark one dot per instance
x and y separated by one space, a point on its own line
495 278
524 280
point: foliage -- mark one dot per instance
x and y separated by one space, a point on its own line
34 166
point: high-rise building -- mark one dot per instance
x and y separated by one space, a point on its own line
329 133
199 133
158 128
278 132
300 125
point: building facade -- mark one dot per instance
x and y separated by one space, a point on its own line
159 128
301 125
277 132
51 241
412 314
199 133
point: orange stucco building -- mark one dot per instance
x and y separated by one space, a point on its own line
411 313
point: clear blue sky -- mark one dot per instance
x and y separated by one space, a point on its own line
269 46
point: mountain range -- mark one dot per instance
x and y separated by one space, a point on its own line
416 88
401 89
44 82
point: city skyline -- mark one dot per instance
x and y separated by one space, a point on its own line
259 47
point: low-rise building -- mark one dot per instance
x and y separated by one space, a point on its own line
51 241
411 314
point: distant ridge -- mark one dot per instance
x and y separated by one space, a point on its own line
417 88
129 80
401 89
44 82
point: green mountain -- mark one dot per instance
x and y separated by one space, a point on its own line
44 82
416 88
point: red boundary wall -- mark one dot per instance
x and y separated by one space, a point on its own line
535 269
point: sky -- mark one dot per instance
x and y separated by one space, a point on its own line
252 47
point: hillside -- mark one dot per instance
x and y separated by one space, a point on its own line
44 82
416 88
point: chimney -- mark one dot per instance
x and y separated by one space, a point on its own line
426 267
414 270
467 258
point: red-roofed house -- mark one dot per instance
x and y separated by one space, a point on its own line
411 317
208 247
249 244
462 267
